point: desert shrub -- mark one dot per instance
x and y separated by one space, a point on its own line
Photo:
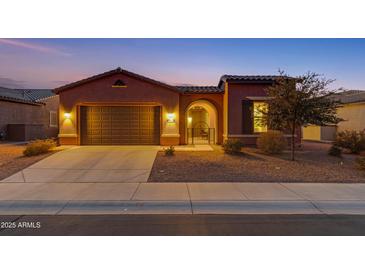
271 142
360 162
352 140
232 146
335 151
38 147
170 151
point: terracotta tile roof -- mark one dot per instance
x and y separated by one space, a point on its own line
28 96
199 89
247 79
111 72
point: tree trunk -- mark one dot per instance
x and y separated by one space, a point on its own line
293 142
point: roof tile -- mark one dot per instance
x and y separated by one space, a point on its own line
32 96
350 96
199 89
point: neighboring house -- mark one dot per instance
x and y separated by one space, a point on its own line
352 111
27 114
120 107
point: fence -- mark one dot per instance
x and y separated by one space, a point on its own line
201 136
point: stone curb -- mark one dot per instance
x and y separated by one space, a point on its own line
180 207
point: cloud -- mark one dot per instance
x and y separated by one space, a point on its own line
11 83
61 82
32 46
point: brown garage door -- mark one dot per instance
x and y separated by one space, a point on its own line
116 125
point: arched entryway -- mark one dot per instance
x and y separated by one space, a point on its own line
201 123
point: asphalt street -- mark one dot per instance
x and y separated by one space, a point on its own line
170 225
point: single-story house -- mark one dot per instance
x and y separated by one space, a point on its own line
121 107
27 114
352 111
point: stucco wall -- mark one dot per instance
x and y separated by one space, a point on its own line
354 114
312 133
215 99
52 104
16 113
101 92
236 94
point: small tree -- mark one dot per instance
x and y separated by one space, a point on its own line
300 101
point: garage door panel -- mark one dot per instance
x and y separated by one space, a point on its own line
120 125
94 132
95 141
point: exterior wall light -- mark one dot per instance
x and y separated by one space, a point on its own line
67 115
190 119
170 117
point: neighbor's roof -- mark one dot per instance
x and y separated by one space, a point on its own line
199 89
111 72
350 96
27 96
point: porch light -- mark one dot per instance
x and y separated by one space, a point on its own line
190 119
170 117
67 115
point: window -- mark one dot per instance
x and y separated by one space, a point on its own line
53 118
258 125
119 84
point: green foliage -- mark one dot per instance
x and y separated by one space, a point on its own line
351 140
39 147
170 151
232 146
360 162
271 142
335 151
300 101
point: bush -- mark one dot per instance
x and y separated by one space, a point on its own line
232 146
272 142
360 163
351 140
335 151
38 147
170 151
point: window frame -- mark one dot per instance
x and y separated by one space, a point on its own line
55 124
254 116
248 125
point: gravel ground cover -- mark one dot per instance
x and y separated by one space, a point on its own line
12 159
313 164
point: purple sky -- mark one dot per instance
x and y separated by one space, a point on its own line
49 63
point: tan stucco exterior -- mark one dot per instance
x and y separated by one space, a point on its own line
354 116
312 133
16 113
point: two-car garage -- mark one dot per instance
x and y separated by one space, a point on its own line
118 107
120 125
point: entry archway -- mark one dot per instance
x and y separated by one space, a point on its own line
201 123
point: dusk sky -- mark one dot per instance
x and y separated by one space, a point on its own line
49 63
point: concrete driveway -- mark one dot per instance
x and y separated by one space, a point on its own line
91 164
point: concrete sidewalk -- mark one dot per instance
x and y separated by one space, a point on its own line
181 198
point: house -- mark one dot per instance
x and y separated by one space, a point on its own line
121 107
352 111
27 114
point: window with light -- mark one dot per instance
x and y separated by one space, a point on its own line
258 126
